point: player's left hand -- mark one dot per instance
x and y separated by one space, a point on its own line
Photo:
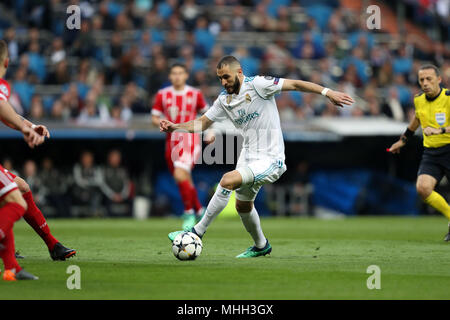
42 131
339 98
429 131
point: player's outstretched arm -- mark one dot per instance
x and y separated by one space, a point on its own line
336 97
412 127
197 125
15 121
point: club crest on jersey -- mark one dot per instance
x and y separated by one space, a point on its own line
4 90
229 97
248 98
440 118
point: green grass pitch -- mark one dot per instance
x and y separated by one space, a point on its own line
311 259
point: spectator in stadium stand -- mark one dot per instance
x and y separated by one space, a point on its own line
158 75
55 187
13 44
171 45
86 187
145 45
59 75
116 181
37 111
30 176
107 19
84 44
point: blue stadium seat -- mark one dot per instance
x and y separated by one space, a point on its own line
250 66
321 14
402 65
205 38
37 65
164 10
354 38
114 9
48 101
25 92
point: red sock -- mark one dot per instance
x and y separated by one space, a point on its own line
196 203
34 217
8 252
185 192
9 213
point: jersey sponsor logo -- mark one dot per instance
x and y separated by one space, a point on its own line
173 112
440 118
4 90
244 118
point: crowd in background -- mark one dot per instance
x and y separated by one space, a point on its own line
144 37
86 189
128 46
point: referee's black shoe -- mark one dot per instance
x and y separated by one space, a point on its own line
60 252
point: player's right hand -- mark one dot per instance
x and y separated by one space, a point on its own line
395 148
166 126
42 130
31 137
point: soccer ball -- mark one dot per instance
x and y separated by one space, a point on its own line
187 246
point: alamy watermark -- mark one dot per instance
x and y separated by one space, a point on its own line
224 149
374 281
74 280
73 21
373 21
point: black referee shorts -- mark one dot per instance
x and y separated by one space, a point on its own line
435 162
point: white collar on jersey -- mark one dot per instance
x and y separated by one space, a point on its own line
180 91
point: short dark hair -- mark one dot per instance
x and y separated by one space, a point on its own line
227 61
3 49
430 66
178 64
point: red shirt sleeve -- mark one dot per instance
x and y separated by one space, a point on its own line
201 103
157 108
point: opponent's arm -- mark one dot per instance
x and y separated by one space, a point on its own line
197 125
9 116
39 129
409 132
336 97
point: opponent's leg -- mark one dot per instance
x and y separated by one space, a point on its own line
34 217
183 179
12 207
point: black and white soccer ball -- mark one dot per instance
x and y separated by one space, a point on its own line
187 246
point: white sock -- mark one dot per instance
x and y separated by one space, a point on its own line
215 206
253 226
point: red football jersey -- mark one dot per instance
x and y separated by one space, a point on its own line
179 106
5 90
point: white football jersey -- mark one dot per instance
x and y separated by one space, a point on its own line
254 113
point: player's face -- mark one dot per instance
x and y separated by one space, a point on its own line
229 79
178 76
429 82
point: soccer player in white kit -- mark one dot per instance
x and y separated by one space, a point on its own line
249 102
